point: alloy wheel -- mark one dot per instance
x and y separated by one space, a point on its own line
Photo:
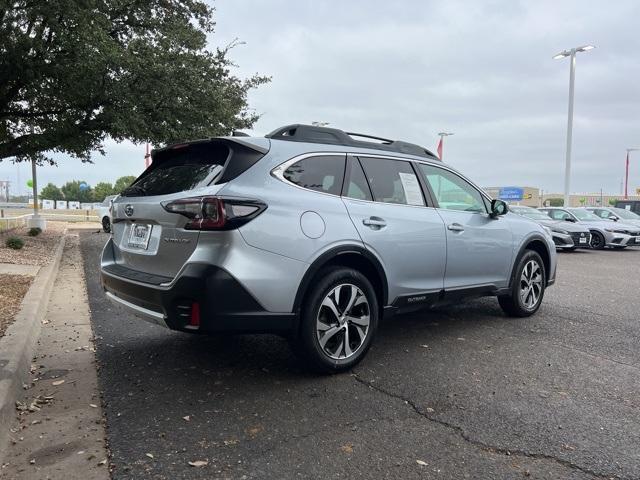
343 321
531 284
596 241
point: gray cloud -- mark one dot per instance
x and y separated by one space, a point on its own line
410 69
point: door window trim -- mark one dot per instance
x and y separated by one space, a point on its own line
278 171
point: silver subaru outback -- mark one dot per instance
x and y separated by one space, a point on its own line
316 234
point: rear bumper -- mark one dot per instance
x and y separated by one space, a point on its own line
223 304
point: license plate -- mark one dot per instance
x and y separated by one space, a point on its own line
139 235
583 240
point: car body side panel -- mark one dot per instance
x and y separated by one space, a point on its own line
479 254
411 247
281 228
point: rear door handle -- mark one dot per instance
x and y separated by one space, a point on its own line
374 222
455 227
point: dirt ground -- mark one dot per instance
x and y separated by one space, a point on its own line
12 289
37 250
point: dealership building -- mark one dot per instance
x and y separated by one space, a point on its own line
534 197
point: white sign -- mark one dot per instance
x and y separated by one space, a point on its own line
74 205
411 188
87 206
48 204
61 204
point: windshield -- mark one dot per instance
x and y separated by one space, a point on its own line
529 213
584 214
535 214
626 214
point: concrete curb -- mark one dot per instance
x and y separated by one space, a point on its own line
18 344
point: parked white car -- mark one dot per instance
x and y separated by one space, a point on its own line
104 212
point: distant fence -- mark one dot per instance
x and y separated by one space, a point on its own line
9 223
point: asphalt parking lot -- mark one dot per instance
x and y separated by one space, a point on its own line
463 392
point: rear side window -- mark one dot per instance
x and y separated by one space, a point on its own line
357 184
322 173
392 181
195 165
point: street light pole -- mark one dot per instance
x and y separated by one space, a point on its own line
572 76
626 172
567 164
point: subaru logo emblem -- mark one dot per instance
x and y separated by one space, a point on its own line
582 234
128 210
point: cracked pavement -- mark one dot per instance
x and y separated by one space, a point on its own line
461 392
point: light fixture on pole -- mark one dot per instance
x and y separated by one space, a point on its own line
441 142
626 172
572 75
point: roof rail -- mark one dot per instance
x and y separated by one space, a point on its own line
334 136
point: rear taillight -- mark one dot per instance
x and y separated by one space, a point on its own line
215 213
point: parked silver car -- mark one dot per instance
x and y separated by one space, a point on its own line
104 212
604 233
315 234
566 235
617 214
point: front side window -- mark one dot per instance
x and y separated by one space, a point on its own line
451 191
392 181
322 173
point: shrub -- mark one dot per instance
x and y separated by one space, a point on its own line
556 202
34 231
14 243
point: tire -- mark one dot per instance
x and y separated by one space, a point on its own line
106 224
597 241
530 277
324 325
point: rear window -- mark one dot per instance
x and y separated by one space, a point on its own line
192 166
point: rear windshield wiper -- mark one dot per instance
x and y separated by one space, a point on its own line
133 190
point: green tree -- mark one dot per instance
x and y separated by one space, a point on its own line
556 202
51 192
122 183
74 73
73 192
612 201
102 190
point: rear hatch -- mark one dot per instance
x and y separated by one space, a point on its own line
149 239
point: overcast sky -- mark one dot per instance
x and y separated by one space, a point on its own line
410 69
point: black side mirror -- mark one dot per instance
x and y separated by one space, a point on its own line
498 207
614 218
569 219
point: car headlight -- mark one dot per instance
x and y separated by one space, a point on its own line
613 230
559 230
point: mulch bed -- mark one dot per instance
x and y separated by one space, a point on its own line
12 290
37 250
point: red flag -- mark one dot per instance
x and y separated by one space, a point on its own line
439 150
147 158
